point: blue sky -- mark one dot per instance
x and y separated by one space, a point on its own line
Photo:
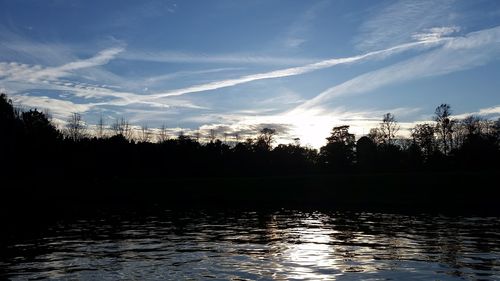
301 67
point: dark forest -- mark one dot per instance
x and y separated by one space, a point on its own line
447 154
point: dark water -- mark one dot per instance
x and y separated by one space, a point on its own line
282 245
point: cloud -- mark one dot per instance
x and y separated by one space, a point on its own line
49 77
245 130
312 127
59 108
399 21
103 57
179 74
18 71
298 30
460 53
490 112
295 70
183 57
435 33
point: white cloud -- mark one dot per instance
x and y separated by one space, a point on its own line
175 75
295 70
472 50
298 30
435 33
489 112
183 57
399 21
61 109
17 71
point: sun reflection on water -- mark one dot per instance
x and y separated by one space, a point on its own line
282 245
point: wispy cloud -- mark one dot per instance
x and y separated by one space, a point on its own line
178 74
472 50
296 70
399 21
435 33
184 57
17 71
489 112
297 32
61 109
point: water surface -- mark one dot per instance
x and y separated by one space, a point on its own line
278 245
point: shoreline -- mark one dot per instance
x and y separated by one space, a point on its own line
447 192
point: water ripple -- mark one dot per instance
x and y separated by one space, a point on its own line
284 245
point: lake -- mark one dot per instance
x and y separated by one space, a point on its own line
262 245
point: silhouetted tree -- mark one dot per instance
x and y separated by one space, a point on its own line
266 138
376 136
423 137
366 153
444 126
100 128
292 158
9 118
28 136
496 131
197 135
75 127
472 125
145 134
237 137
338 153
212 135
389 128
37 127
122 127
162 134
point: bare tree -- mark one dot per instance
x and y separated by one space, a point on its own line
163 134
444 126
197 135
75 128
145 134
212 135
472 124
122 127
100 128
266 138
376 136
389 128
423 136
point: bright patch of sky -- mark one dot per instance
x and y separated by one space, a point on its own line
301 67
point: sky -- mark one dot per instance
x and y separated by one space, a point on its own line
235 67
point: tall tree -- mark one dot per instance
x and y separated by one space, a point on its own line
423 137
366 153
100 128
76 127
444 126
266 138
145 134
389 128
338 153
122 127
162 134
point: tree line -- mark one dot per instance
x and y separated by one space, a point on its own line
31 146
